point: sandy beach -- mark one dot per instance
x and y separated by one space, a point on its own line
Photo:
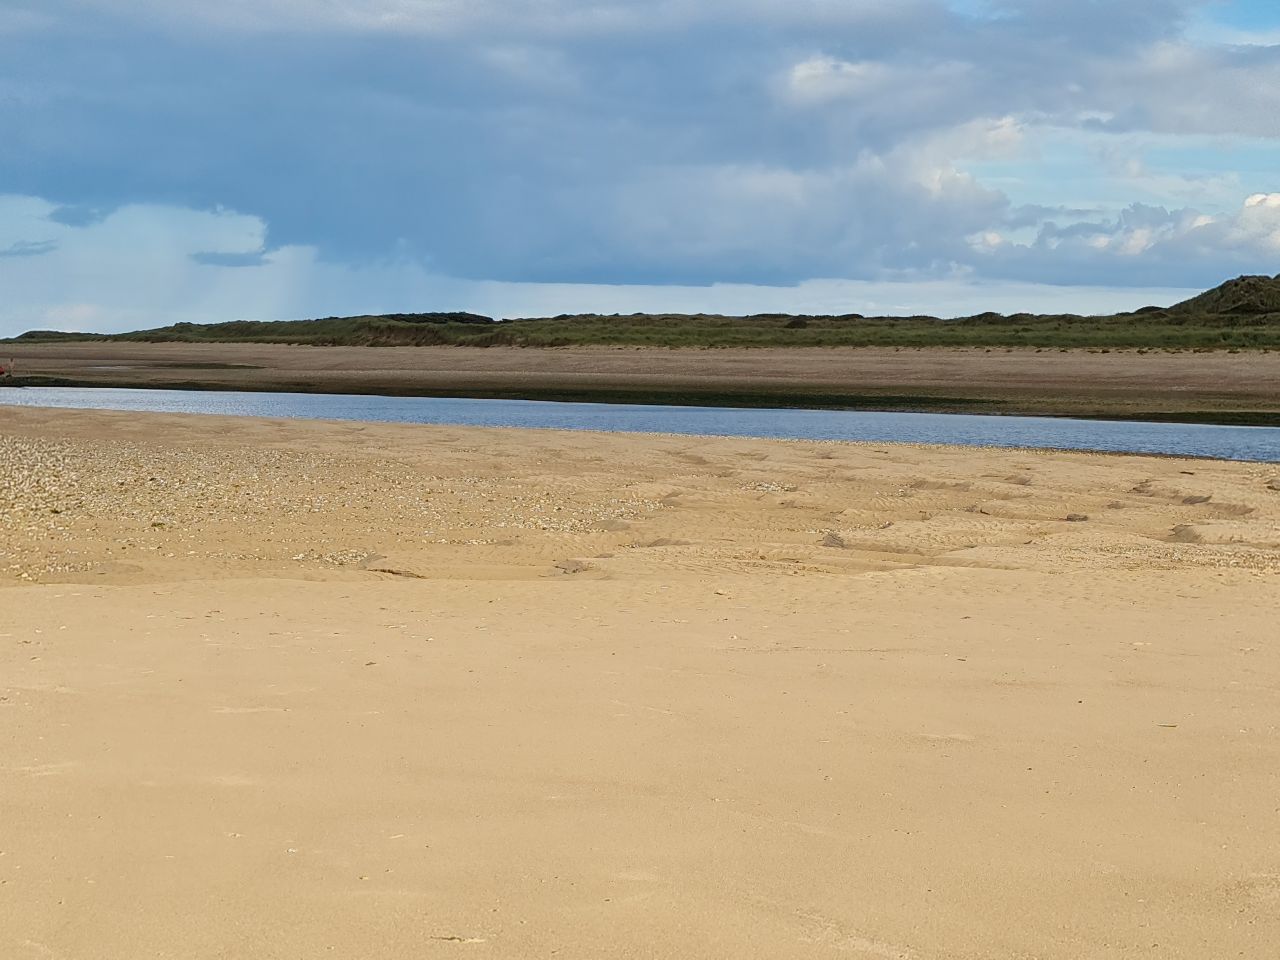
302 689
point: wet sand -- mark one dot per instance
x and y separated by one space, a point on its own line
1191 386
283 688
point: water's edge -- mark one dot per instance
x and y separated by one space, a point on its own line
1231 442
723 399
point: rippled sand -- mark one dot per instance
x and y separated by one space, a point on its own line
304 689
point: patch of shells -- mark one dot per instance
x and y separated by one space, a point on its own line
34 478
297 506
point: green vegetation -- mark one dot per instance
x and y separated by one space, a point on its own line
1241 314
1243 296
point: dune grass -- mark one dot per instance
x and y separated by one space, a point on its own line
1242 314
1153 331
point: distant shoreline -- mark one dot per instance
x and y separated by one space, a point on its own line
1240 389
1240 314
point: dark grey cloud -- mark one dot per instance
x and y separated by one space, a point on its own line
28 248
79 215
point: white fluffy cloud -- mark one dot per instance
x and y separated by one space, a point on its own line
1143 243
1251 231
821 78
825 80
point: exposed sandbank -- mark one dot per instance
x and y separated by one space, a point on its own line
346 690
1221 387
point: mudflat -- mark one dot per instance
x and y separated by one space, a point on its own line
1219 385
285 688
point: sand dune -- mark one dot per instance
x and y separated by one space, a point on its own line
276 688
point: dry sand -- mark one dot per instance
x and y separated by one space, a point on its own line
1079 382
289 689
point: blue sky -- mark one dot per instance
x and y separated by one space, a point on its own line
166 160
1255 15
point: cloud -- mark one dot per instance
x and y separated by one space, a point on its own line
28 248
1144 243
821 79
605 142
1174 87
505 17
252 258
78 215
90 280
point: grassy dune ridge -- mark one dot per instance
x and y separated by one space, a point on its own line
1241 314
